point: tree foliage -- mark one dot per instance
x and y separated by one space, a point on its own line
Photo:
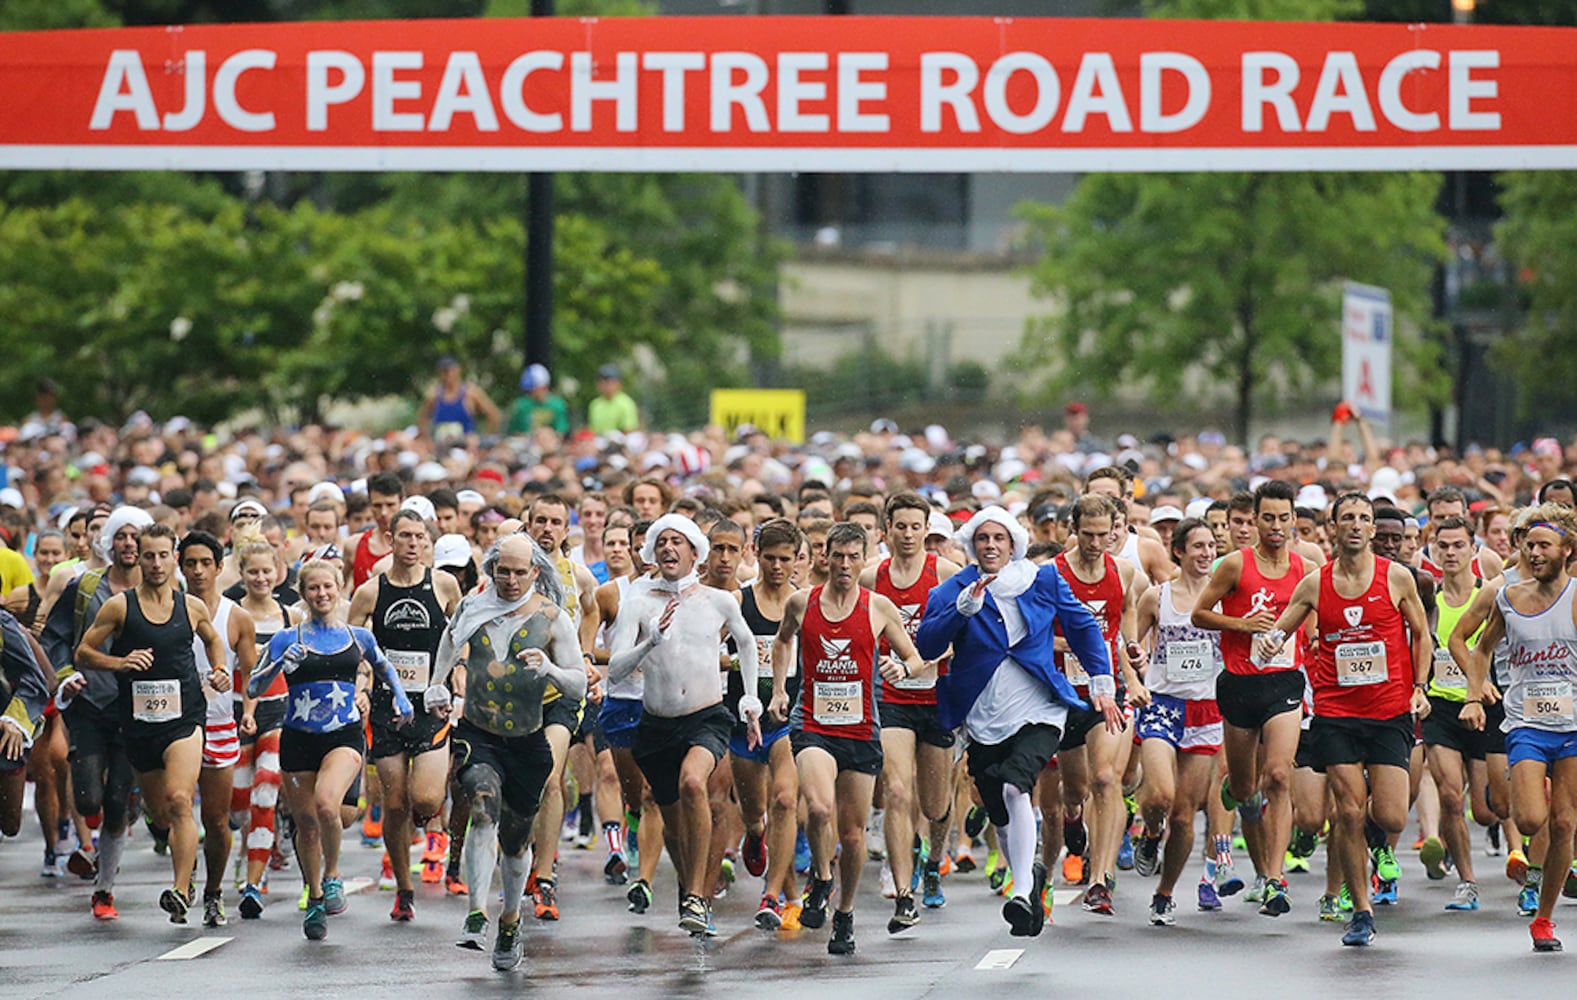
1540 233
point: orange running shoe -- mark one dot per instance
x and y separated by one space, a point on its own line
547 900
104 906
1073 869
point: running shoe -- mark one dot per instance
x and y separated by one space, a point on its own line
175 903
964 861
1276 903
1228 881
639 896
922 857
1330 909
403 912
161 837
1020 915
433 858
944 867
1492 848
876 835
842 940
1125 853
386 880
1209 900
754 853
696 917
51 866
1163 912
1569 887
104 906
998 879
769 915
1385 893
801 854
1360 930
334 901
509 947
614 872
1147 856
546 900
301 904
1256 893
1433 855
1073 870
251 902
905 915
1544 939
315 925
791 910
813 907
1294 865
1098 899
372 827
1048 901
214 909
975 822
1304 843
454 885
1344 901
474 931
83 863
889 888
1465 899
1385 865
933 897
1528 900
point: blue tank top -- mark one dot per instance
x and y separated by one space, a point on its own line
452 411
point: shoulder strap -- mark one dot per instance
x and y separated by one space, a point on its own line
87 586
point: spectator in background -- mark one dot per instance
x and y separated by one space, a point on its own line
613 409
537 407
452 406
1076 421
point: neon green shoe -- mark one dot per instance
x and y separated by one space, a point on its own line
1385 866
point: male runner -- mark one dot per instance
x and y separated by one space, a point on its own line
406 608
668 627
1455 752
1368 681
202 556
162 706
1003 684
101 774
373 546
1538 618
833 726
1261 702
917 753
516 639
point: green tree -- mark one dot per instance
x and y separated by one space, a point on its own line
1233 276
1539 233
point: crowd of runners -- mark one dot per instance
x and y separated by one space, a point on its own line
1043 657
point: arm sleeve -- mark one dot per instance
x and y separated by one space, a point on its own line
269 663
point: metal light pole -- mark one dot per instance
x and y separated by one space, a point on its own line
539 252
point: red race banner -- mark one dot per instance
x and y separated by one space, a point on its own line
725 94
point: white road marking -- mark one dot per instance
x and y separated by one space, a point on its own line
999 959
192 949
355 885
1067 897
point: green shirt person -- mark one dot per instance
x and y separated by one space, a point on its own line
537 407
613 409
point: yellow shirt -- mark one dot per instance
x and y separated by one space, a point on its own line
14 570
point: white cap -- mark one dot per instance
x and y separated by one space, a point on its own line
1196 507
470 496
985 489
938 524
451 550
12 497
1165 512
429 472
1312 496
422 506
1384 483
248 506
325 491
1010 469
917 461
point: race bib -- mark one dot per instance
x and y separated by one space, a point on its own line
1189 661
415 669
1447 673
764 658
836 703
1359 664
1074 670
160 701
1283 660
1547 701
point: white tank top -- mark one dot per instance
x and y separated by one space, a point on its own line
1130 550
1541 656
634 685
221 704
1186 660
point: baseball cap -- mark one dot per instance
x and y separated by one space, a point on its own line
1165 512
451 550
938 524
1075 409
325 491
247 508
422 506
609 371
534 377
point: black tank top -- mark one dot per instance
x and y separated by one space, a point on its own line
342 665
408 622
173 658
764 629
